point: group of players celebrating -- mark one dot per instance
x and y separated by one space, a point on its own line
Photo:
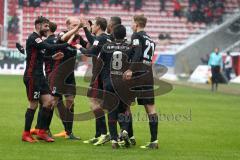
121 72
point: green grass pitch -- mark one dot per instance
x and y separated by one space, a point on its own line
195 124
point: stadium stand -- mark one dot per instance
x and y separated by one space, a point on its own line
158 22
12 10
1 20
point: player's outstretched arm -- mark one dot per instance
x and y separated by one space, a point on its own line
92 51
56 56
40 44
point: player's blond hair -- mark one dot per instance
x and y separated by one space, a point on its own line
141 20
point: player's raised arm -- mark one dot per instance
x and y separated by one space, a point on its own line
56 56
65 37
88 34
99 28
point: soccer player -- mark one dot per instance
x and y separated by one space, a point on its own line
96 84
51 39
111 24
115 58
49 64
143 50
73 26
35 82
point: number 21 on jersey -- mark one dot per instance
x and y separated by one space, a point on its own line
149 53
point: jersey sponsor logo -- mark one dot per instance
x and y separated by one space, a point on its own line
95 43
38 40
136 42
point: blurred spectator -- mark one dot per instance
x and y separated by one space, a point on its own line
205 59
47 1
162 5
138 5
219 12
191 2
86 6
205 11
208 14
126 5
34 3
177 8
76 4
13 24
164 38
97 2
228 65
115 2
20 3
235 27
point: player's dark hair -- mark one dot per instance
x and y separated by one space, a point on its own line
119 32
52 27
140 20
102 22
115 20
90 22
41 20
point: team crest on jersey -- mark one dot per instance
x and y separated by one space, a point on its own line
38 40
136 42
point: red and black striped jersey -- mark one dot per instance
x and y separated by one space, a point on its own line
35 47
